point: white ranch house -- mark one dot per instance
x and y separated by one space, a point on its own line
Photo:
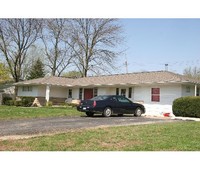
156 90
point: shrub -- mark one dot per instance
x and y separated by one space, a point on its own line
9 102
187 107
71 105
27 101
24 101
49 104
6 100
18 103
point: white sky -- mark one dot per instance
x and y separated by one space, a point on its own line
103 8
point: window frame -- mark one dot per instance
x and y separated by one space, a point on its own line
27 88
70 93
155 94
95 92
188 89
130 90
123 92
80 93
117 91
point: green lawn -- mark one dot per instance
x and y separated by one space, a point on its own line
12 112
179 136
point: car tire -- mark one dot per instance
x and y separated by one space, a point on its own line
138 112
89 114
107 112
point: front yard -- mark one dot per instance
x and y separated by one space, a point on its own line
180 136
12 112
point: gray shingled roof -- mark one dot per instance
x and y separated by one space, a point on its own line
52 80
117 79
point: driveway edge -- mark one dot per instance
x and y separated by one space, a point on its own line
186 119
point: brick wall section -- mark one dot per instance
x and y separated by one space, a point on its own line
57 101
42 100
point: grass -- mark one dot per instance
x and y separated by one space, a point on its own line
179 136
12 112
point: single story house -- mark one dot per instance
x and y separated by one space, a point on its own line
157 88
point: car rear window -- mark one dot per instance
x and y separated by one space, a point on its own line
100 98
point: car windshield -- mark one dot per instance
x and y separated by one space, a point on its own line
99 98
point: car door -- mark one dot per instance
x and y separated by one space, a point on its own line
114 103
125 105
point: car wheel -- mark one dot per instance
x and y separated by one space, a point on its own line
89 114
107 112
138 112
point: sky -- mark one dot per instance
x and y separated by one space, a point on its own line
152 43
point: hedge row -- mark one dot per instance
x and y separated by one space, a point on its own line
187 107
25 101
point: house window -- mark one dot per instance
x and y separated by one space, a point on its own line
80 93
130 92
95 92
123 92
155 94
26 88
117 91
187 89
70 93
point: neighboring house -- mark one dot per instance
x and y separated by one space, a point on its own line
6 90
158 88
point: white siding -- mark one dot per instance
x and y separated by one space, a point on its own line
41 91
59 92
75 93
139 93
112 91
167 94
103 91
33 93
185 91
142 94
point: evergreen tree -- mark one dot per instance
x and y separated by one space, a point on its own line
37 70
4 73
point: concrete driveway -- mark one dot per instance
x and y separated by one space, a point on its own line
41 126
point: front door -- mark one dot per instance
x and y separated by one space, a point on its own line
88 94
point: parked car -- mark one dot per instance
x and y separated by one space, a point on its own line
110 104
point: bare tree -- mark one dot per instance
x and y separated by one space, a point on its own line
16 37
94 43
192 72
56 49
